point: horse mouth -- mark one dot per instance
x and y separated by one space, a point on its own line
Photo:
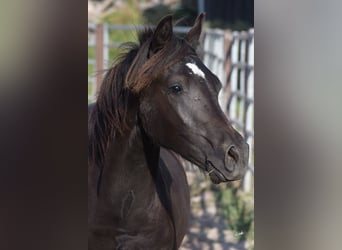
216 176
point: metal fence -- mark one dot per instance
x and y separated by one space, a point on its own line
241 96
229 55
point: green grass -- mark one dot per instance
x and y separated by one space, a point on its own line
128 14
91 52
91 69
120 36
238 210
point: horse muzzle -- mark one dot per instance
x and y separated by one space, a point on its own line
235 165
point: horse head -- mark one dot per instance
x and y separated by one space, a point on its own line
178 103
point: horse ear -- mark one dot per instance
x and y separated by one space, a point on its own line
195 32
162 34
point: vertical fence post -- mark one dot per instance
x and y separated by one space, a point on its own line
227 67
99 55
242 77
249 127
234 57
91 61
105 46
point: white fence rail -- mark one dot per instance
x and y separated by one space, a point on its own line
229 55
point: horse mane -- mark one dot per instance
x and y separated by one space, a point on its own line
109 112
133 71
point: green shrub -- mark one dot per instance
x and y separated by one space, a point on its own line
238 211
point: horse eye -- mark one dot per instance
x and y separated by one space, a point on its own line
176 89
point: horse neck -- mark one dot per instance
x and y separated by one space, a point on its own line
132 162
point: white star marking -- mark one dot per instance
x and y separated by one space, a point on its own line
194 68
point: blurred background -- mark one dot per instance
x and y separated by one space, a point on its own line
222 216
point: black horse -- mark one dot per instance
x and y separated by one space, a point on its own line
159 98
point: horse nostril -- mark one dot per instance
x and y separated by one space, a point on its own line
233 153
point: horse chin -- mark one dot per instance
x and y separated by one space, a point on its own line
216 177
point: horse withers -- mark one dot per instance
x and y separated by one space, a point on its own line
157 100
